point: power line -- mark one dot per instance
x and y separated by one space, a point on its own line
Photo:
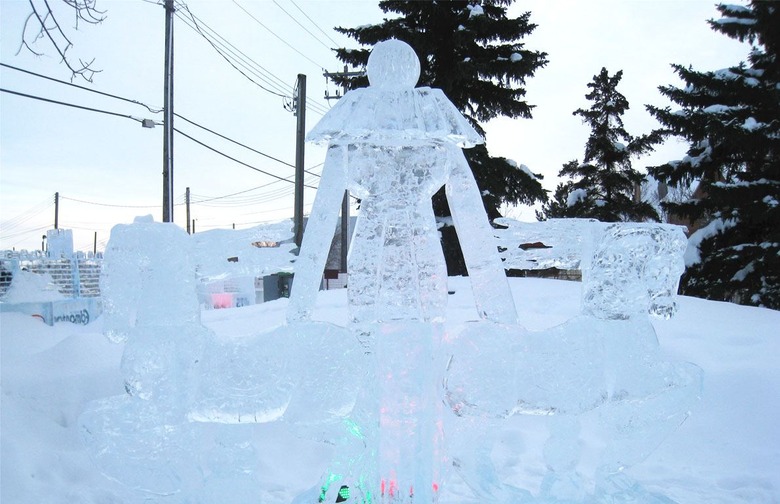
150 109
137 103
108 204
312 22
196 23
247 200
274 34
18 220
299 24
232 158
20 233
239 143
66 104
235 57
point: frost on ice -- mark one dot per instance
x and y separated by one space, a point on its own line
412 407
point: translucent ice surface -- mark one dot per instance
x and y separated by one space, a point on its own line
554 243
628 268
635 269
408 406
175 370
394 146
606 360
256 251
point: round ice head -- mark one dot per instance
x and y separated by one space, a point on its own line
393 65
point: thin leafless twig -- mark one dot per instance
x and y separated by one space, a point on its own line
50 28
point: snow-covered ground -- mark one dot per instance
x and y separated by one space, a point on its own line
728 451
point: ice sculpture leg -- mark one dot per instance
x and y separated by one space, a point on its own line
488 280
319 233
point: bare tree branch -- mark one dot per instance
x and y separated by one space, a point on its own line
49 28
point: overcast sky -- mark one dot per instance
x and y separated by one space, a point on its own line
108 169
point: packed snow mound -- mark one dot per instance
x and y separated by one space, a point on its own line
27 287
722 454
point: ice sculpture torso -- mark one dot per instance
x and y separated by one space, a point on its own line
396 264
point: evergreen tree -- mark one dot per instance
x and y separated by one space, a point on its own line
474 53
605 183
731 120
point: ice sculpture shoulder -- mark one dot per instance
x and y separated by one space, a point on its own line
391 110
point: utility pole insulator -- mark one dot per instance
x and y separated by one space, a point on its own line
345 73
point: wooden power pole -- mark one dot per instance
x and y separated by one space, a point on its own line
56 210
345 201
168 116
187 206
300 134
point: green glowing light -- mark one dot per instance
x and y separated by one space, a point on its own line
343 494
354 429
332 477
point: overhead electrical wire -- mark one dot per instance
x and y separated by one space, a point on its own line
275 35
30 213
234 159
195 24
313 22
27 231
240 144
140 120
245 201
136 102
150 109
114 205
299 24
237 58
66 104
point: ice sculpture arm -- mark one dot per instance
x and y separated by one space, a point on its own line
318 236
486 272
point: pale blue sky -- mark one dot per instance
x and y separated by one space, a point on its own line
95 160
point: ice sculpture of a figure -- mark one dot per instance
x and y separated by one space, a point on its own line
393 146
606 361
150 286
183 385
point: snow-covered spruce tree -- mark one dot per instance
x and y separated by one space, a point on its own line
731 121
475 54
604 184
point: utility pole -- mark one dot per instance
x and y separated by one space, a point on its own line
56 210
300 133
345 201
94 245
187 206
168 116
